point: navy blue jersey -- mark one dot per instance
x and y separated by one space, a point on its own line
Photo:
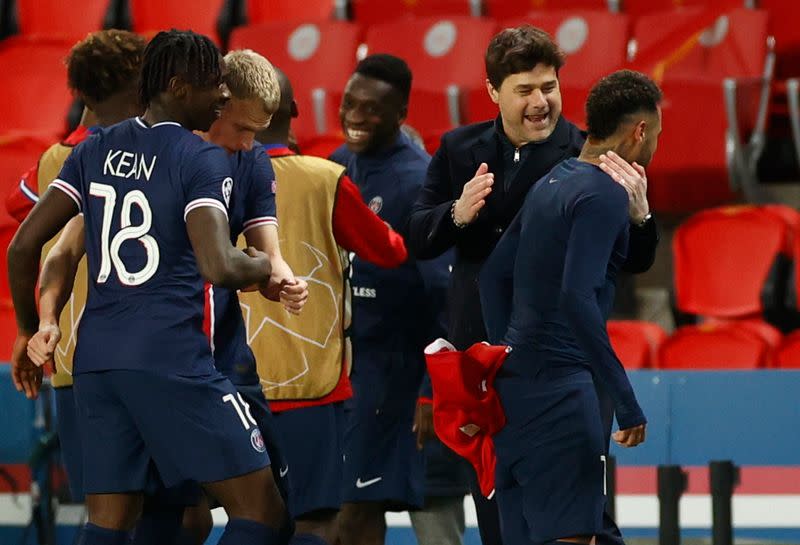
563 251
399 309
252 205
135 185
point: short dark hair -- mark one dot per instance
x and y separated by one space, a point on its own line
617 96
390 69
191 56
520 49
105 63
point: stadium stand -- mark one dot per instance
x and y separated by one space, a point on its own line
713 346
263 11
204 16
505 9
636 342
369 12
53 19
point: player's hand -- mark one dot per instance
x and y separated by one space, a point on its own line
423 424
294 294
631 436
27 376
473 197
633 178
42 346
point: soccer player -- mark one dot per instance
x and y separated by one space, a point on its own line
562 254
146 389
307 383
103 71
478 179
396 313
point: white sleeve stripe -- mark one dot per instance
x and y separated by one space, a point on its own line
263 219
27 192
252 225
200 203
69 190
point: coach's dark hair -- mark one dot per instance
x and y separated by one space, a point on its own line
616 97
393 70
520 49
105 63
193 57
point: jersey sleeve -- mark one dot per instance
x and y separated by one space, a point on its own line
22 197
69 179
358 229
207 180
496 283
597 220
260 207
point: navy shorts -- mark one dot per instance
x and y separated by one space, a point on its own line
382 462
311 438
70 441
550 476
187 428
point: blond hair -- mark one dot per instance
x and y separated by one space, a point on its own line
251 76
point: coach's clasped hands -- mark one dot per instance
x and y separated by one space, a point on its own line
630 437
633 178
473 197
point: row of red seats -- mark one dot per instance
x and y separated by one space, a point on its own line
747 344
448 84
74 19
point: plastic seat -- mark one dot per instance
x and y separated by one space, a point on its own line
51 19
635 342
722 259
35 98
442 56
318 59
712 346
788 355
263 11
504 9
370 12
202 16
715 90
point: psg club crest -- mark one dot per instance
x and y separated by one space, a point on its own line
227 189
376 204
257 440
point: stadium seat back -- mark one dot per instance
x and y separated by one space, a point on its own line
262 11
57 19
784 17
35 98
150 16
713 347
637 8
635 342
504 9
722 258
370 12
788 355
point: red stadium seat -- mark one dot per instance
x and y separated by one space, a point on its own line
442 55
722 258
318 58
8 331
784 18
636 8
792 219
50 19
788 355
263 11
596 44
706 146
635 342
504 9
34 98
370 12
7 231
150 16
713 347
322 146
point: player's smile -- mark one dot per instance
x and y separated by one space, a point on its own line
357 135
539 121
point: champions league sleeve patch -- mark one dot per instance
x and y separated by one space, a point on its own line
227 189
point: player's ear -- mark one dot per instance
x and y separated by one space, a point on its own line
177 87
640 131
493 93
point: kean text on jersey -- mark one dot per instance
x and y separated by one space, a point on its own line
125 164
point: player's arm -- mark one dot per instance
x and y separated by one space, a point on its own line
219 262
283 286
50 214
55 286
496 282
358 229
596 222
430 227
644 237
